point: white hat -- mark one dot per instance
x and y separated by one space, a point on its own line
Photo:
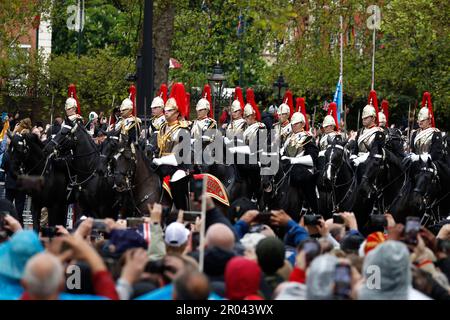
202 104
381 118
127 104
297 117
284 108
176 234
328 121
157 102
248 110
171 104
423 114
369 111
71 103
236 106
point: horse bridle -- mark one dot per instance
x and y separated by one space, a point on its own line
129 174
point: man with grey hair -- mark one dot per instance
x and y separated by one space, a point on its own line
43 278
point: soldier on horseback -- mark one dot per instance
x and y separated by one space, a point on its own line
72 109
202 128
283 128
330 131
301 153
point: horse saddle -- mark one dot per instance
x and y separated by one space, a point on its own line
214 187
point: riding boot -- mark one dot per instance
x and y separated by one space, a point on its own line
180 193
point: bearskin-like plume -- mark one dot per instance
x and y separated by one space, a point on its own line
289 100
163 90
426 101
72 93
374 102
179 94
385 109
207 95
332 110
300 105
251 100
239 96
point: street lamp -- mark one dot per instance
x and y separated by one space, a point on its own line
280 84
216 80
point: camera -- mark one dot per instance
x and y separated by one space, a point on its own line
412 228
312 219
49 232
99 225
342 281
337 218
263 217
378 222
134 222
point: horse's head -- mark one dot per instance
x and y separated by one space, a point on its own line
19 152
334 158
109 148
425 183
63 141
372 167
124 165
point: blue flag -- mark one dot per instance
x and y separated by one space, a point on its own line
338 99
241 25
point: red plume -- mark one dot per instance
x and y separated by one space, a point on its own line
179 94
207 95
72 93
385 108
223 117
374 102
188 103
163 92
426 101
132 92
251 100
332 110
239 96
300 103
289 100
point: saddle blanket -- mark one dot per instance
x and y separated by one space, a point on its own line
214 187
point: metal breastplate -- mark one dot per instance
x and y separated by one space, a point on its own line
423 141
366 139
200 126
158 122
295 144
236 126
323 144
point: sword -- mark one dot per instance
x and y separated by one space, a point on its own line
314 118
359 113
145 118
409 123
51 110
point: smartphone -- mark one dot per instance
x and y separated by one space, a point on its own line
134 222
49 232
312 219
342 281
337 218
99 225
412 228
198 189
263 217
311 249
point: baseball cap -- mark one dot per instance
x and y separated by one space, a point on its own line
176 234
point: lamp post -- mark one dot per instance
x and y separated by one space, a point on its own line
280 84
216 80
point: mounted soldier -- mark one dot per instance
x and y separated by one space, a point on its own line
283 128
330 127
157 108
204 126
129 124
237 123
301 153
72 108
170 136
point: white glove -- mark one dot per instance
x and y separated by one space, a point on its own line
192 141
414 157
424 157
322 153
206 138
169 160
226 140
305 160
361 159
353 156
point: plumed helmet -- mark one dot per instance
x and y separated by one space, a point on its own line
284 108
297 117
382 119
203 104
248 110
424 114
328 121
127 104
157 102
171 104
236 106
70 103
369 111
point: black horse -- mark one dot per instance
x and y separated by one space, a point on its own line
88 187
336 179
28 158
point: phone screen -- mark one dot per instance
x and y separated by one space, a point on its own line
412 228
342 280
